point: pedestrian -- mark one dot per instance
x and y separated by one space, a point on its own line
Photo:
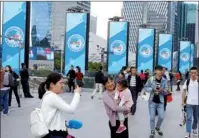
190 98
157 87
143 78
71 81
4 91
15 85
167 78
123 97
54 107
178 80
25 81
112 109
135 85
79 77
99 81
120 76
171 79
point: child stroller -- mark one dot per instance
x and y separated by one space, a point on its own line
183 116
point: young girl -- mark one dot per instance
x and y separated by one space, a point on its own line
124 98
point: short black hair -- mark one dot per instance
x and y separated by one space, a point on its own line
158 67
101 68
194 68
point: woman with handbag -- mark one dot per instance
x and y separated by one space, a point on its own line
53 107
14 87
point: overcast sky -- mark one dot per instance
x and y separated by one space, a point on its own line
103 11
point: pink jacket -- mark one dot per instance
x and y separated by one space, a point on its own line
125 96
111 108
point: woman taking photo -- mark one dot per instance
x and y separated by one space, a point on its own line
112 109
54 107
14 87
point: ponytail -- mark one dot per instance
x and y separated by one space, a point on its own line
42 90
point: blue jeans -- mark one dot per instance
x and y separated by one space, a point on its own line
152 112
4 100
192 111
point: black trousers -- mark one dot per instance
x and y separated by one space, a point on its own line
26 88
178 86
134 94
124 134
165 102
71 83
16 95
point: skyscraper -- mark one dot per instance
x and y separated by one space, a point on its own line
188 21
59 10
158 15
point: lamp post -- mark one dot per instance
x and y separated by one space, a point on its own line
62 44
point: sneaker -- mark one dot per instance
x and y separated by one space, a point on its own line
159 131
121 129
152 135
195 133
188 135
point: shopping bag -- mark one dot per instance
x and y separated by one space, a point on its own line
169 98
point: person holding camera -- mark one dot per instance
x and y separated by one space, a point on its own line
158 88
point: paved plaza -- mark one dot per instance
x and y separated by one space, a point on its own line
94 118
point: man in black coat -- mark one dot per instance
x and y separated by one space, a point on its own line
71 81
99 82
24 81
135 87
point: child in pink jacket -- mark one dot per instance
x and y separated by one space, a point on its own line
123 97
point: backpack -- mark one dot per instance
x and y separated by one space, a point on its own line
8 80
38 125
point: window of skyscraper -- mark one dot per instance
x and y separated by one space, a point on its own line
41 24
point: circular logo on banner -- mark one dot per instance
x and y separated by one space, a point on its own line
13 36
146 50
165 53
118 47
76 43
184 57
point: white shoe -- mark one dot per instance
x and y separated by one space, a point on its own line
195 133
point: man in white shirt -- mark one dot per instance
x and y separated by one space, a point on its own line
190 98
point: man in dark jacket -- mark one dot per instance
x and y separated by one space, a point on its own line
99 81
24 81
71 81
135 87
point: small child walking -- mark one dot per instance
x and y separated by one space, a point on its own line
123 98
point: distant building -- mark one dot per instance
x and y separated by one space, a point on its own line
95 44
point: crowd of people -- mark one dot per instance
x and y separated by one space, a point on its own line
119 94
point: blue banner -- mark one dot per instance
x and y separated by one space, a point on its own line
192 55
165 50
185 50
13 34
145 49
117 46
75 40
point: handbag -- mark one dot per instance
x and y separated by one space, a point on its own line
169 98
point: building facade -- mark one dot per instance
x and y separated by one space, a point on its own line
158 15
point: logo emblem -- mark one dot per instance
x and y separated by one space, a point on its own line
118 47
76 43
14 36
184 57
165 53
146 50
